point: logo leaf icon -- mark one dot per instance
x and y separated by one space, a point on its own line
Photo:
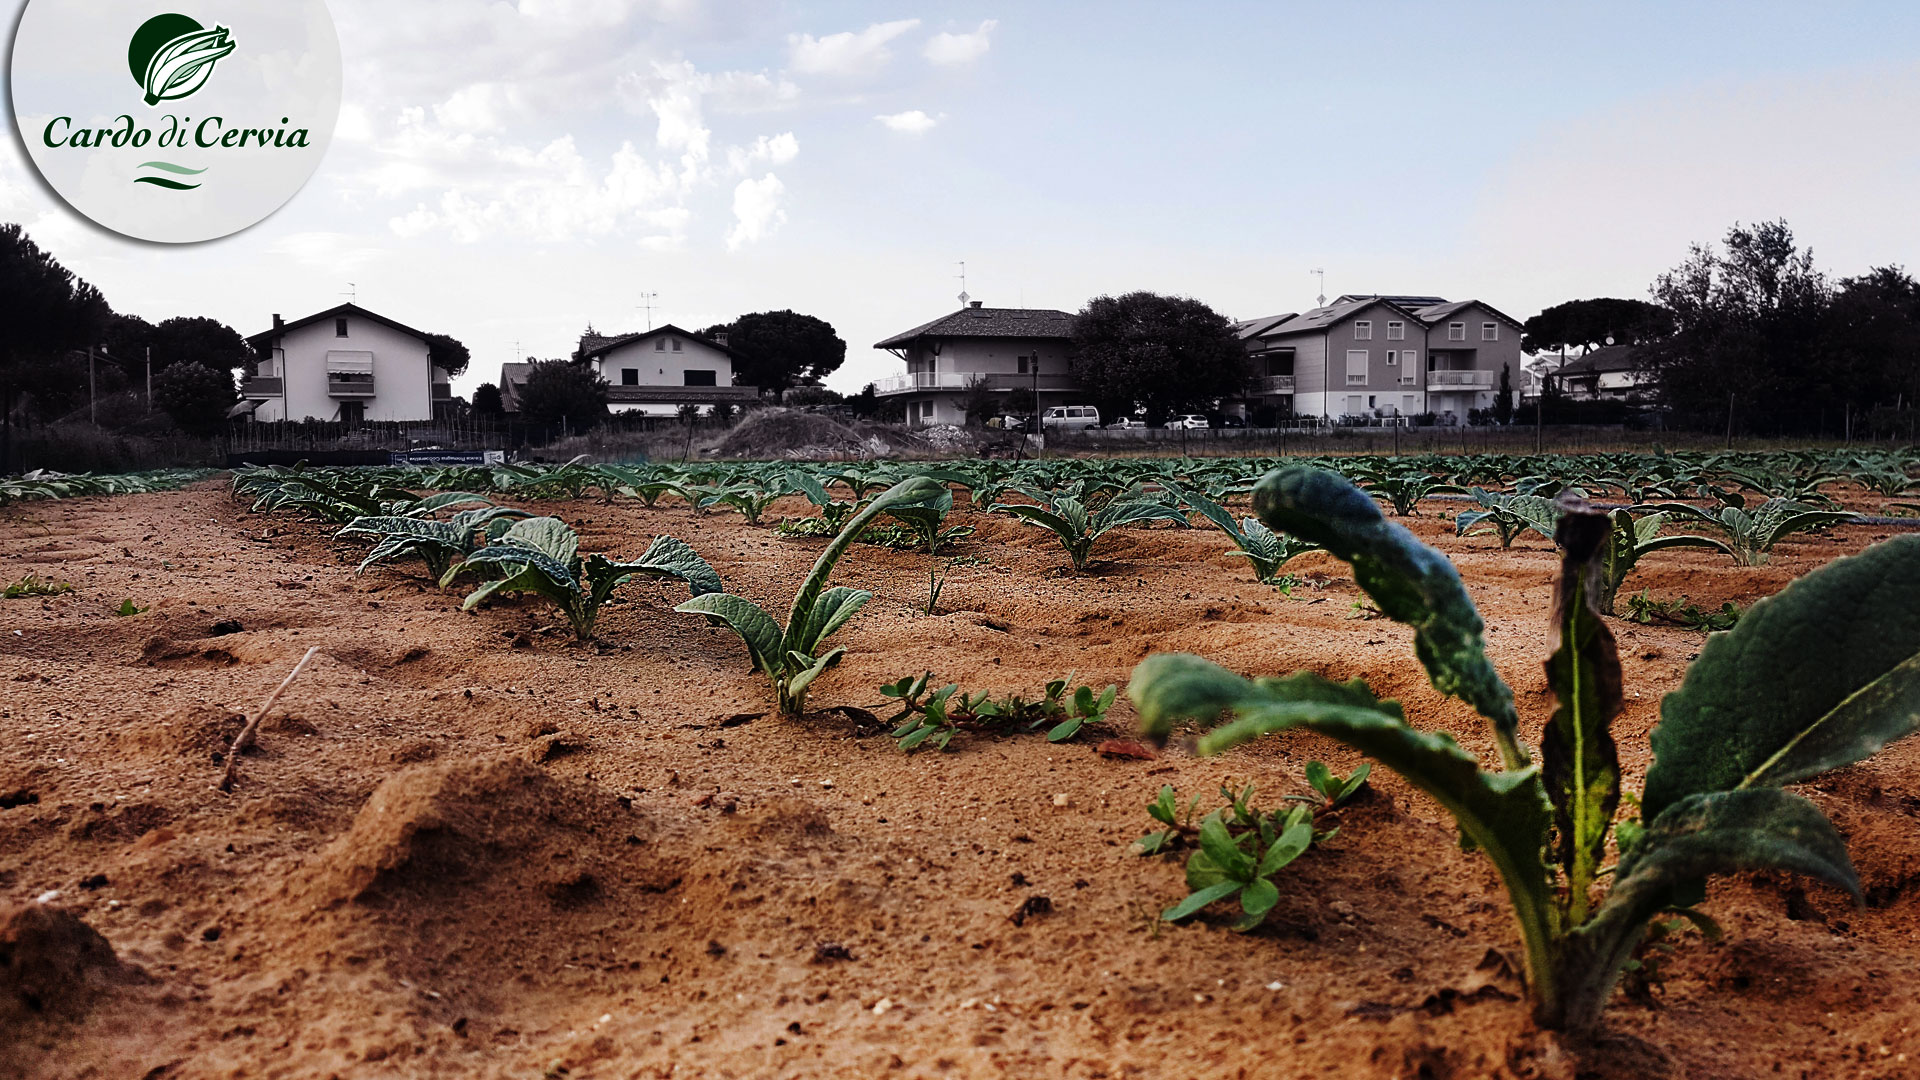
182 65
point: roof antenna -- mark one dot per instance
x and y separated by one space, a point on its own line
352 294
1321 300
646 303
963 284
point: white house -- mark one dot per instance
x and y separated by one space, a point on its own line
662 369
345 363
1001 350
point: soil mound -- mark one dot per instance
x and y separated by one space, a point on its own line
775 433
53 965
501 826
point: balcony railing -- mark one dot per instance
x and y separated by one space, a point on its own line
1461 380
1273 384
962 380
349 386
262 388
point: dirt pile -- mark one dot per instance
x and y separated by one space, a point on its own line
53 966
778 433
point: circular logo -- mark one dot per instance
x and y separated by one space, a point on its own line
220 114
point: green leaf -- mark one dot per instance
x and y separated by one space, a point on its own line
1292 843
547 535
1259 897
816 579
1199 900
671 557
1820 675
1505 814
1219 845
832 611
755 627
1320 778
1701 834
1578 760
1411 582
1065 729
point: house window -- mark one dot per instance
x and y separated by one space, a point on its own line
1023 365
1353 404
1371 401
701 378
1363 330
659 344
339 328
1356 367
1411 361
629 376
353 412
676 344
1456 331
1393 358
1396 331
1489 331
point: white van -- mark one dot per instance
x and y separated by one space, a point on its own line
1071 416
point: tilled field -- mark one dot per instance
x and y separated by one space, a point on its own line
467 846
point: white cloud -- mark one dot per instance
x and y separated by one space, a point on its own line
778 150
481 107
756 211
911 122
846 54
955 50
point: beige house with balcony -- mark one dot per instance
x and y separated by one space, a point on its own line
1382 356
345 363
1000 350
660 370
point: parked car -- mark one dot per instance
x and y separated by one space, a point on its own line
1233 420
1128 422
1071 416
1187 420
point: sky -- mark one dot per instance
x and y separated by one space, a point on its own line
511 172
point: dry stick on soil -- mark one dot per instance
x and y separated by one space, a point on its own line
245 738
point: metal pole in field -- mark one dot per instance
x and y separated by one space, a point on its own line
149 378
93 408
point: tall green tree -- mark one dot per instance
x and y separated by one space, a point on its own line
1170 354
557 391
195 340
1749 321
45 311
779 350
448 354
1503 398
487 401
196 396
1587 324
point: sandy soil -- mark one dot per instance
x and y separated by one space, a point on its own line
467 846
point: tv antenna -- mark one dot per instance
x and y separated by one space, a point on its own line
964 298
646 304
1321 300
352 294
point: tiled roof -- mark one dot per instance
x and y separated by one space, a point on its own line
1253 328
266 336
1322 317
592 345
989 322
1437 312
1609 359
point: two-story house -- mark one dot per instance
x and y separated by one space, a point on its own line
1382 356
660 370
345 363
1000 350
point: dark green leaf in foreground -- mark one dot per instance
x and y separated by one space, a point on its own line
1411 582
1821 675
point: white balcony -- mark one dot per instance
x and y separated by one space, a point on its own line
1462 380
1273 384
915 381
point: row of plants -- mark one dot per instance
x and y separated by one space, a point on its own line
42 484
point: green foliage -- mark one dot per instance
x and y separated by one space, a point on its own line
933 719
1167 353
1752 534
556 391
1822 675
780 350
541 556
127 608
787 657
1508 515
1266 550
34 585
437 543
197 397
1631 539
1411 583
1643 608
1333 790
1403 488
1243 865
1077 528
43 484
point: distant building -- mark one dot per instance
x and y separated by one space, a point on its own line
513 379
662 369
1611 373
1000 350
345 363
1373 355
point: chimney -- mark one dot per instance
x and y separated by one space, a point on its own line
976 303
279 323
